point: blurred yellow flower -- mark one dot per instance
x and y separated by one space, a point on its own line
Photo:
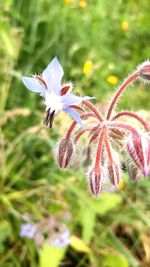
124 25
87 67
112 79
67 1
121 186
82 3
78 244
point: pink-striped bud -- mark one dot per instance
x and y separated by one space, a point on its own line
138 147
133 171
148 153
144 71
114 172
65 153
95 180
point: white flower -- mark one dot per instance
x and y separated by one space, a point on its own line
57 96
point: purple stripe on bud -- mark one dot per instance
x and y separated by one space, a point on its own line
144 71
138 149
65 153
133 171
114 172
95 181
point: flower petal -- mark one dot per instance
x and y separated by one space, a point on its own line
53 75
77 107
70 99
75 115
33 85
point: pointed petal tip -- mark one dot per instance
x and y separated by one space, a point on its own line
55 58
145 172
56 62
53 74
33 85
88 97
24 78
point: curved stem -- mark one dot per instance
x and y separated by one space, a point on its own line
80 133
122 126
95 135
135 116
74 123
94 109
126 83
92 139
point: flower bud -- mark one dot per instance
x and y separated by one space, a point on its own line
114 172
144 71
138 147
133 172
95 181
65 153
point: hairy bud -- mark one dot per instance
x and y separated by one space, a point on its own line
65 153
138 147
144 71
114 172
133 171
95 181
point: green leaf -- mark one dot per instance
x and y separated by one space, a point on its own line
111 260
87 219
106 203
51 256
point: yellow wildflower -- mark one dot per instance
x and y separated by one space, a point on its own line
87 67
78 244
67 1
124 25
112 79
82 3
121 185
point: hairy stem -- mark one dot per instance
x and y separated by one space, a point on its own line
94 109
107 145
80 133
125 84
72 126
135 116
122 126
94 135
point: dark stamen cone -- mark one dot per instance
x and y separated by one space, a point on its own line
49 118
65 153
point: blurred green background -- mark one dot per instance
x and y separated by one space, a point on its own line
98 43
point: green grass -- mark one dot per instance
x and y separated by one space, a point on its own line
116 226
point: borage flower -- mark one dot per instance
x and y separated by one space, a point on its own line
57 96
28 230
108 137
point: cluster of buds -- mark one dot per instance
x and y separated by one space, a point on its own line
108 136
